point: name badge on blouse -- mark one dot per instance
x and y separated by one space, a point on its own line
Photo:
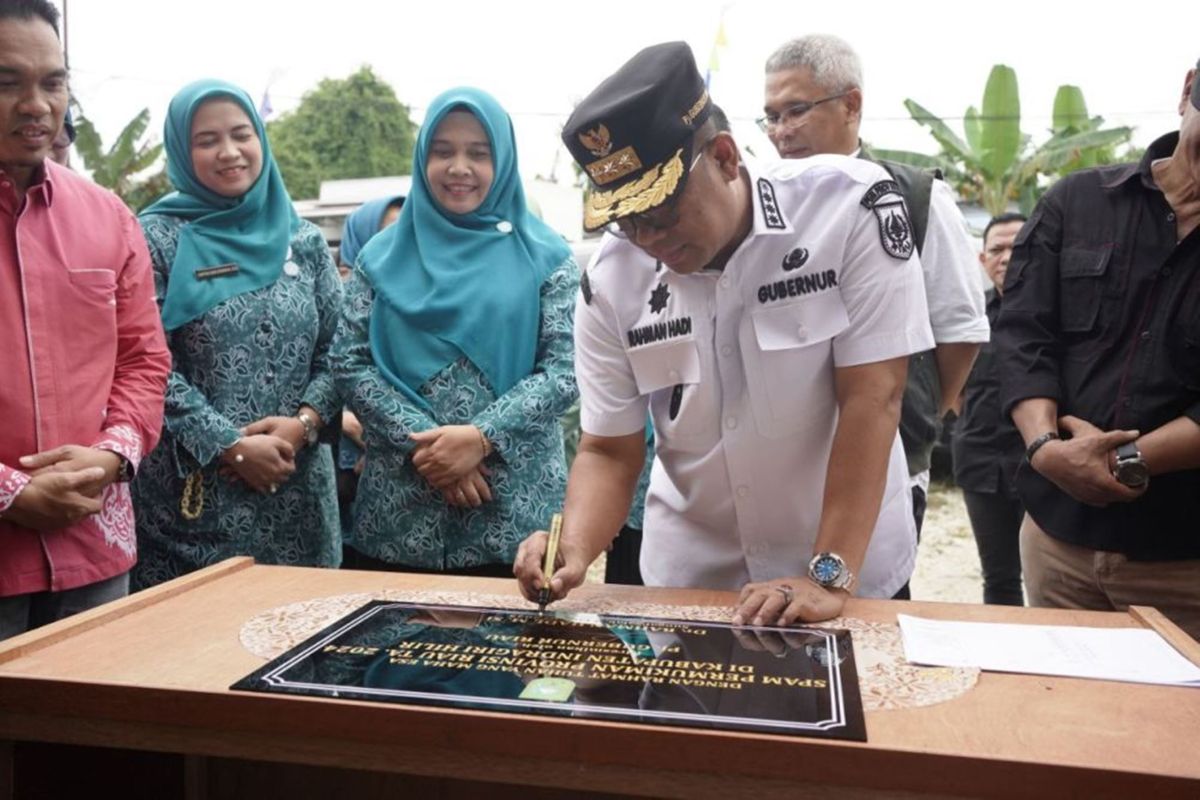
219 271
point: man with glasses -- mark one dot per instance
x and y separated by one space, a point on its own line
764 315
813 105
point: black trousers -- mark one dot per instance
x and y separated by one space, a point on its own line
996 521
623 562
919 502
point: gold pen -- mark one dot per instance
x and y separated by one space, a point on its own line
548 565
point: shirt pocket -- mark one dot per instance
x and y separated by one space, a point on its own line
791 364
1183 336
669 373
100 281
1081 276
92 304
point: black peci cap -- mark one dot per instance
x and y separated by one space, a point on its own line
633 133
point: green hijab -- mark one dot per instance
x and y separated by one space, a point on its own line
251 231
461 284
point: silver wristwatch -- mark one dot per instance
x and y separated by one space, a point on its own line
830 570
310 427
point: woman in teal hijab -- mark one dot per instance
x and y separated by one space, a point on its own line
250 300
456 354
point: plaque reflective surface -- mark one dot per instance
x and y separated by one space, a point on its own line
792 681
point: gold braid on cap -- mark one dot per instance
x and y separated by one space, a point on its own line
634 197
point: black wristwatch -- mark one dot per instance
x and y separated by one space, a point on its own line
1130 468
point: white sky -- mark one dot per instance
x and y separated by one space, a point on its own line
538 57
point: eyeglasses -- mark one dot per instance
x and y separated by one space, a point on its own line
792 114
656 220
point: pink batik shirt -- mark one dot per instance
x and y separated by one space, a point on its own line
83 361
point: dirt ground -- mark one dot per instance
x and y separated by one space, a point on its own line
947 561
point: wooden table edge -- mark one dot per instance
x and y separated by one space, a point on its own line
40 638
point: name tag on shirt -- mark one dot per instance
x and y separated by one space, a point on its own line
219 271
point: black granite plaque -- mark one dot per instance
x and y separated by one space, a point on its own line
796 681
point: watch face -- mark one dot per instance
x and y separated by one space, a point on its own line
1133 473
826 570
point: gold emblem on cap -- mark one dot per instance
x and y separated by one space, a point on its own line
648 191
598 141
695 110
615 167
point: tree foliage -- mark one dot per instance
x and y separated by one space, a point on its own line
996 164
351 128
122 167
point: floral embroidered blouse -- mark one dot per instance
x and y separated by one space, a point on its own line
257 354
398 517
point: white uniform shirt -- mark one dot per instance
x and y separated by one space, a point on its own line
737 370
951 269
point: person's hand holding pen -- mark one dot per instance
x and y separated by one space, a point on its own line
569 571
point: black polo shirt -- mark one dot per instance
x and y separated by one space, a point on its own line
987 447
1101 313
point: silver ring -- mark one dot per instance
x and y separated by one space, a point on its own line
274 488
787 592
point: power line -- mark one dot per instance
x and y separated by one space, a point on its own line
96 75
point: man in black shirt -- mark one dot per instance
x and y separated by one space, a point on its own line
1099 344
987 447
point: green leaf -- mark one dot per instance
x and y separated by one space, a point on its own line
87 142
145 159
1000 134
973 128
1059 152
940 130
1070 110
912 159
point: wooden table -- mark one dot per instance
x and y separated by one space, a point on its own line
148 676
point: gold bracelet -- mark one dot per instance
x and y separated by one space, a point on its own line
484 443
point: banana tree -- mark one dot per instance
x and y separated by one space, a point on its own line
122 167
994 163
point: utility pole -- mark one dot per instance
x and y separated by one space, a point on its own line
66 46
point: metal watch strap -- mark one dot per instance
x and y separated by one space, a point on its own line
310 427
845 579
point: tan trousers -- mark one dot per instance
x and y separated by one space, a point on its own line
1061 575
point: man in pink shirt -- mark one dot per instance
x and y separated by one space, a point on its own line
82 353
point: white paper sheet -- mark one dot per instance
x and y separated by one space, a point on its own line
1138 655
